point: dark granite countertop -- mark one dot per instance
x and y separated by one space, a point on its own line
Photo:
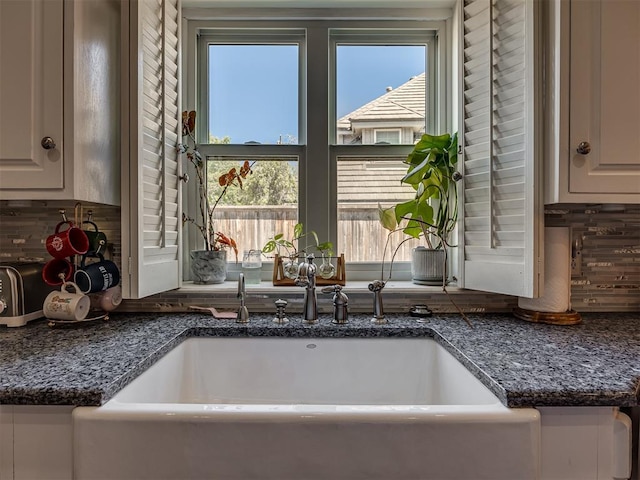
595 363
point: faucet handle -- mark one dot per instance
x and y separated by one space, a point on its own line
340 303
331 289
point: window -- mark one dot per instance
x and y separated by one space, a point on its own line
391 136
252 91
336 104
497 93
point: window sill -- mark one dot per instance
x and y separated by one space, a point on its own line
398 296
267 287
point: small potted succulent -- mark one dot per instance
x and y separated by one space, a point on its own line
433 212
208 265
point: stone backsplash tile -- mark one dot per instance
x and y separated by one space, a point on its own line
24 229
608 238
608 277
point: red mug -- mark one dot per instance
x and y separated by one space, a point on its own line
69 242
57 271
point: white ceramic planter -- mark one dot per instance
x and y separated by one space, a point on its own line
427 266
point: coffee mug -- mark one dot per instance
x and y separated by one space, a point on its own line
57 271
72 241
97 276
65 305
107 300
97 239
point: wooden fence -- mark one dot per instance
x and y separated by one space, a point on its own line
360 236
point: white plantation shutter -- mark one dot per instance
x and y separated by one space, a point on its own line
500 213
154 207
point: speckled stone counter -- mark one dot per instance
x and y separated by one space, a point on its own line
595 363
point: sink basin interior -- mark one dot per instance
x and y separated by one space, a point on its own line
320 371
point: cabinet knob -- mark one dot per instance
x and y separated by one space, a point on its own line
583 148
48 143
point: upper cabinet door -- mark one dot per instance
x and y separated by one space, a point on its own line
605 97
501 220
593 102
31 86
151 213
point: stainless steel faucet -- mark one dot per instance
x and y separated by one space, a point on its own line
307 278
243 312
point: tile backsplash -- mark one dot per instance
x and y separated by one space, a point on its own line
24 227
606 242
607 277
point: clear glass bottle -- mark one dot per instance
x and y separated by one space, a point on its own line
252 266
290 267
326 269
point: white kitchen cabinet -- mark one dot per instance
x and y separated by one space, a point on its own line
593 100
585 443
31 61
36 442
60 100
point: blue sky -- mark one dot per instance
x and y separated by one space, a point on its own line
254 88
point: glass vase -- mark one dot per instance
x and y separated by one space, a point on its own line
326 269
290 267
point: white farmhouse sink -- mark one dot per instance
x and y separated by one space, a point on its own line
300 408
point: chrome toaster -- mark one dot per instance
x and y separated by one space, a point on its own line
22 293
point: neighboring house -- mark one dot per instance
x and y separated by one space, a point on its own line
396 117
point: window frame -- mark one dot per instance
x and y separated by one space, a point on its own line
317 154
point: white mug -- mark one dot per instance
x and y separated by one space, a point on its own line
64 305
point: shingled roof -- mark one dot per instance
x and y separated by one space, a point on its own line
403 104
368 182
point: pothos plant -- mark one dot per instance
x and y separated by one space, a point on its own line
431 172
433 212
278 242
213 239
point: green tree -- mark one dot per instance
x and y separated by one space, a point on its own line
224 140
271 183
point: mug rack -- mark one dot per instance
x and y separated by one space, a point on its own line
339 278
51 322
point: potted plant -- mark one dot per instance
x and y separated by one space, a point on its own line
433 212
208 265
290 266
